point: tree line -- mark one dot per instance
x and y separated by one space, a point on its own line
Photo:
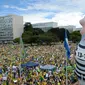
37 35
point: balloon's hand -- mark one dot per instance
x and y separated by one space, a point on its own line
72 58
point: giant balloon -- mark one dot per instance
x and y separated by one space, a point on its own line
80 55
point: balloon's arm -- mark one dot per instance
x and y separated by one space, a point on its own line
70 61
82 31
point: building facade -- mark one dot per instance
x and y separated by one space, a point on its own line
77 29
11 27
70 28
45 26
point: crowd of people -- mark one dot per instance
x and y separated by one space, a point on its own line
11 72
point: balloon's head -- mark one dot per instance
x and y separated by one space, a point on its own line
82 21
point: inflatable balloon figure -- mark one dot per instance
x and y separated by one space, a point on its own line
80 55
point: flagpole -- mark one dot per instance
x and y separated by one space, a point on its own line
20 56
66 72
66 45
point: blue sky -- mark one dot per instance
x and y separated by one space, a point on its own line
65 12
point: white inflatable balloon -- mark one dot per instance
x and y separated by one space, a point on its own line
80 55
82 22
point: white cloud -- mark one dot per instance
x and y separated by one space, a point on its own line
61 18
47 7
50 5
18 8
80 4
68 12
15 7
53 5
36 18
44 7
6 6
71 18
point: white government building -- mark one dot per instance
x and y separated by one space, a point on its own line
11 27
70 28
48 25
45 26
77 29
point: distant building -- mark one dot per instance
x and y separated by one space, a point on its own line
77 29
70 28
11 27
45 26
